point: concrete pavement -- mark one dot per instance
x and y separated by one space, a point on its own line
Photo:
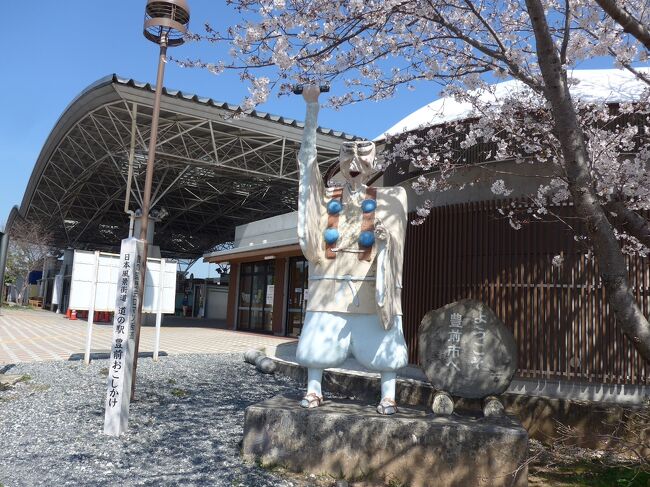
38 335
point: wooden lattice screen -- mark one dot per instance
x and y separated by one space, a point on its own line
559 315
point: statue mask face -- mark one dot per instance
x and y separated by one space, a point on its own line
357 160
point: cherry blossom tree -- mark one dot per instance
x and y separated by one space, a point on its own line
597 155
29 245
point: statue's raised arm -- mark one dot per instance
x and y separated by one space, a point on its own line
310 195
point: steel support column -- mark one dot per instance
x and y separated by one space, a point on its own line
4 245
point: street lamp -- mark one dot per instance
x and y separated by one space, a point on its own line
167 20
165 23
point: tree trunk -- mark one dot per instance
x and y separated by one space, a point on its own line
601 234
23 297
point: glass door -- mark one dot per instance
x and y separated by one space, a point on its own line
297 295
256 291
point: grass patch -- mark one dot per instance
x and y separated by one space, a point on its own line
590 474
273 467
565 465
40 387
171 381
300 478
601 476
28 381
393 482
15 307
180 393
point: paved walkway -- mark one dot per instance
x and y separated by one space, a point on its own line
36 336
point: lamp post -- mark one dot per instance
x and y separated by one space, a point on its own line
165 23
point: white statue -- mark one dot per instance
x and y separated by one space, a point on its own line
353 237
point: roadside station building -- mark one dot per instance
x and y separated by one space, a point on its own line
225 188
466 249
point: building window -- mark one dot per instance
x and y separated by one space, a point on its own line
256 291
296 296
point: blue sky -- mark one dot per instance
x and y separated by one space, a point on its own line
58 48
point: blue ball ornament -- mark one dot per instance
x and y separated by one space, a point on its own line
368 206
334 207
367 239
331 235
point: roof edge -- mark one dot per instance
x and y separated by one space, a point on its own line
62 125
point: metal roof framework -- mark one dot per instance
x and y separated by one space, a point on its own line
215 168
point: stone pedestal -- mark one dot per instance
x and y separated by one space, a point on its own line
349 439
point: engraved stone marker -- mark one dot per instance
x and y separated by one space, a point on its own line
466 350
120 370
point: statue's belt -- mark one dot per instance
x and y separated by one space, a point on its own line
345 278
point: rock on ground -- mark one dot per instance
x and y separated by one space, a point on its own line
466 350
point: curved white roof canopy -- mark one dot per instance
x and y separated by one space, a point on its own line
592 85
213 171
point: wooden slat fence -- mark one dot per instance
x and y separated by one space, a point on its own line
559 315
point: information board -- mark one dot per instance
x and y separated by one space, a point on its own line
106 278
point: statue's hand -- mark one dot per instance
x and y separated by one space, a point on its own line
310 93
380 231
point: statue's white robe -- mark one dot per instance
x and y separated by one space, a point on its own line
354 306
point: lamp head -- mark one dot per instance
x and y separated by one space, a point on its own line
166 21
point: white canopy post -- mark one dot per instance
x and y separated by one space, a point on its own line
91 309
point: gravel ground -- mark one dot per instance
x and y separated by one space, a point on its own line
185 429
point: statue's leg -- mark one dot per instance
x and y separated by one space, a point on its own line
388 380
381 350
324 342
387 404
314 396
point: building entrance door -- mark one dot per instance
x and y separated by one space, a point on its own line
256 291
297 295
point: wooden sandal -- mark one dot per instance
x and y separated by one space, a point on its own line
387 406
311 400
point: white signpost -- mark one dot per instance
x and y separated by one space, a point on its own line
91 308
109 282
118 386
159 299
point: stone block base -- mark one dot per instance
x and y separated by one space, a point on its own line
350 440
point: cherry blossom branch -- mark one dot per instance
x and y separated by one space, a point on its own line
629 221
567 32
630 24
